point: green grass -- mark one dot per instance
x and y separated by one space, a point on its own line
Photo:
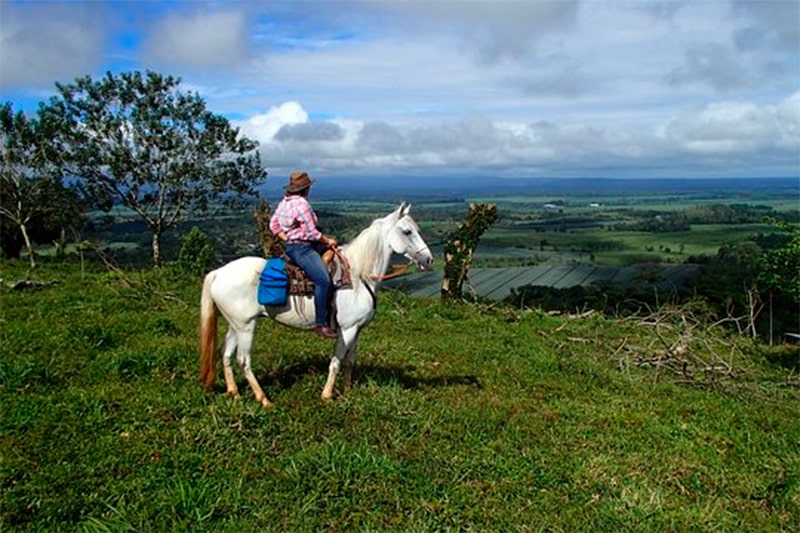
460 418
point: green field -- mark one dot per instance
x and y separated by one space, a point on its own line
573 232
463 418
528 232
616 248
598 203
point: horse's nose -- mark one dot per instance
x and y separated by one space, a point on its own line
427 262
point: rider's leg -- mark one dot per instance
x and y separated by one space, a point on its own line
307 258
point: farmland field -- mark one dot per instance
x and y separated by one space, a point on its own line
604 247
565 225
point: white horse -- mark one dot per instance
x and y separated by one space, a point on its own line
231 290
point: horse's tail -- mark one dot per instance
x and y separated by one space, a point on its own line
208 333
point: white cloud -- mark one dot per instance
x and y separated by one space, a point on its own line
494 30
45 44
710 63
215 39
738 127
477 144
776 21
263 127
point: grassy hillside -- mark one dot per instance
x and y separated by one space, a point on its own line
461 417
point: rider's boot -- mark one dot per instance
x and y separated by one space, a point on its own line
326 332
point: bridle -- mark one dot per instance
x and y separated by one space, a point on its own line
399 270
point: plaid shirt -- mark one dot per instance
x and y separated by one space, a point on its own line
295 217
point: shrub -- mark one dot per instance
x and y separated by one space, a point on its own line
196 255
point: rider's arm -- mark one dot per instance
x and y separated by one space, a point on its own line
283 219
275 223
308 221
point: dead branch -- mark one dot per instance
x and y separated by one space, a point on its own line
24 284
682 346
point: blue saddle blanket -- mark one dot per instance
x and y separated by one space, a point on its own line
273 287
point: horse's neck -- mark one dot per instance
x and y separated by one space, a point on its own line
369 255
379 267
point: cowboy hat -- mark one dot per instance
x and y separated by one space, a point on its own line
298 181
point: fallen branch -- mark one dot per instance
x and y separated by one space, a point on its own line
25 284
682 346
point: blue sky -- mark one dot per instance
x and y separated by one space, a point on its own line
640 88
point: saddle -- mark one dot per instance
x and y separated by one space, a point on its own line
338 269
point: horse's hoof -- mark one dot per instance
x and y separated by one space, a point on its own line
266 404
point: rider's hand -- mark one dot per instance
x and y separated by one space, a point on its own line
330 241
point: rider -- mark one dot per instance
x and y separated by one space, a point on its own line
295 223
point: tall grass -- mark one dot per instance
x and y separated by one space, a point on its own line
461 417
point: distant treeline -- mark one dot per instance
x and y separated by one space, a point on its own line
416 188
655 222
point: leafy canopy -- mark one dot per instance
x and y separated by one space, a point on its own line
35 205
134 139
781 265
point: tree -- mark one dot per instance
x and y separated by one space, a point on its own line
460 247
35 205
729 281
134 139
781 265
270 243
780 274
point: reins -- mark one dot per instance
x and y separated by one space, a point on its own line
345 264
399 270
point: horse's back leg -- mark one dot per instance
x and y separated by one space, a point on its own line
230 347
346 339
244 341
349 363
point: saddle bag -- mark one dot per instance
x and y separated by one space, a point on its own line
274 286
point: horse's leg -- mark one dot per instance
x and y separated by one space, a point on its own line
230 346
349 363
244 338
343 343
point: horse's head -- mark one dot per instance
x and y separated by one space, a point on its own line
404 238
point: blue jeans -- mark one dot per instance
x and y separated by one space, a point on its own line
306 256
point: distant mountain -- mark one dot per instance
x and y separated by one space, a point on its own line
447 187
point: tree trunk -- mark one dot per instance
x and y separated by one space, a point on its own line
771 325
158 258
28 245
60 243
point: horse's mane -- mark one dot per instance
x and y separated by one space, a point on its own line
364 251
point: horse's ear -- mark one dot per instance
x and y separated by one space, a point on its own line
403 210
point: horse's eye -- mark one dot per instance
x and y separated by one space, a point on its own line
407 232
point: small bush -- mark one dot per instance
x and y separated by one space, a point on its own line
785 355
196 255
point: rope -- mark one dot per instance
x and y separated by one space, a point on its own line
399 270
